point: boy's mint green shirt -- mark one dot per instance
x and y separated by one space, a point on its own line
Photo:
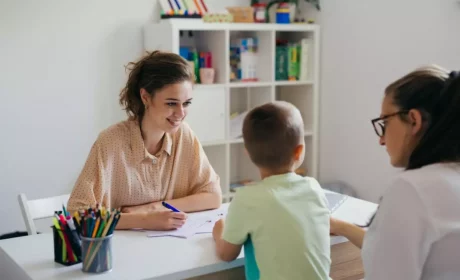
286 219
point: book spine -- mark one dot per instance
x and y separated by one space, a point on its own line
304 51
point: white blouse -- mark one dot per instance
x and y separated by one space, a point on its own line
416 232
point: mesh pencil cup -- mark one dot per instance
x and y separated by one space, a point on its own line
97 254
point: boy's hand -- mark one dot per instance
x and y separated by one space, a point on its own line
218 229
335 226
225 250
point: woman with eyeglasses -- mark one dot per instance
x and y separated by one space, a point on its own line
415 233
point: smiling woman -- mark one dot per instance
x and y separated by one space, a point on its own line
153 156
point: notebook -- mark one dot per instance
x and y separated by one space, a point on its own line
335 200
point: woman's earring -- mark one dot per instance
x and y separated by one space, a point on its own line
146 107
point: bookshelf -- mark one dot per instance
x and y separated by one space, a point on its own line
214 104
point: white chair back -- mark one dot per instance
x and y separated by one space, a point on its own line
39 209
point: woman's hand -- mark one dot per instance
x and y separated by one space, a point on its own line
164 220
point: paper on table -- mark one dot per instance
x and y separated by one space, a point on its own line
215 216
188 229
196 223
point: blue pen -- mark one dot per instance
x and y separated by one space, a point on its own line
169 206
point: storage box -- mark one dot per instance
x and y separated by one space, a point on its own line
241 14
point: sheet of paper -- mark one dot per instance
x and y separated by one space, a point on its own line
196 223
214 216
190 227
335 200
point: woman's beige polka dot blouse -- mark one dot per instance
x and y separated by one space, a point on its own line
120 172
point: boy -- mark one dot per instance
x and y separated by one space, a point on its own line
283 220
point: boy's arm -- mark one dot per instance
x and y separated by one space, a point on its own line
225 251
231 236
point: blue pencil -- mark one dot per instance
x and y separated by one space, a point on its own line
177 3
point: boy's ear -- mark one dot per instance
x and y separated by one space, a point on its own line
298 151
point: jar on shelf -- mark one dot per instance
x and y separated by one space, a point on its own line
259 12
283 13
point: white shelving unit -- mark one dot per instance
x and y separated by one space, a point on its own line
213 104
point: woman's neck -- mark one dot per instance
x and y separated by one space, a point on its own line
152 136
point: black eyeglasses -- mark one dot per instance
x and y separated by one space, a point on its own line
379 123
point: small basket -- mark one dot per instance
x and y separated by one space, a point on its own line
242 14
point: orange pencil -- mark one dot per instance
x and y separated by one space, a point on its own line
198 7
98 220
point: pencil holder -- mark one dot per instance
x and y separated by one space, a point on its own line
97 254
62 243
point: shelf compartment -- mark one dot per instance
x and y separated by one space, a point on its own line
255 65
241 167
302 98
294 56
213 42
215 155
241 101
208 107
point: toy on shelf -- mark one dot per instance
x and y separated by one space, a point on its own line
243 60
291 61
283 13
218 17
183 8
242 14
260 12
201 62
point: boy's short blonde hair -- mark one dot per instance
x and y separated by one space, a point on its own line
271 133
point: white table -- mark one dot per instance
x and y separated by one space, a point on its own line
137 257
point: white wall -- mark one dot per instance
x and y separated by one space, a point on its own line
366 45
62 69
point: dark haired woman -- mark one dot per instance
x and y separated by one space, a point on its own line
153 156
415 233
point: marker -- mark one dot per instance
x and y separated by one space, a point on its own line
169 206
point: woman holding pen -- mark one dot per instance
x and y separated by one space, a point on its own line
415 233
153 156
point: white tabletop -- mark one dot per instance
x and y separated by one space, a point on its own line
136 256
